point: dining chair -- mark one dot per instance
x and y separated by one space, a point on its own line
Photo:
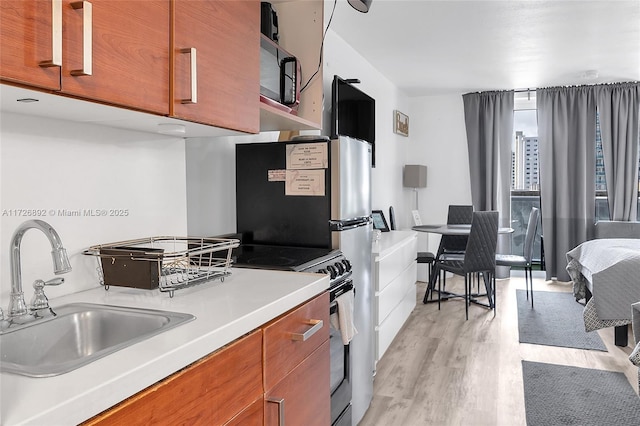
450 245
479 258
524 261
428 258
456 244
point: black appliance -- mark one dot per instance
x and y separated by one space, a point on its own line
280 74
268 21
316 193
324 261
353 113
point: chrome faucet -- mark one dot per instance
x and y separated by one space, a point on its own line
61 265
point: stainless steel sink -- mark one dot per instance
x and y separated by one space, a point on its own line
80 333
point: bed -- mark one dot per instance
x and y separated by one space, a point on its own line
606 273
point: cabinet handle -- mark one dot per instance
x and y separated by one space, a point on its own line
194 76
280 402
56 35
87 37
317 325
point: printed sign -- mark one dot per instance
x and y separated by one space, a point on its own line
305 182
307 156
276 175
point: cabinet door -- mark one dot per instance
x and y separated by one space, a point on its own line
303 396
284 346
30 33
117 52
216 63
253 415
221 388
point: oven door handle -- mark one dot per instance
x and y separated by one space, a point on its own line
316 326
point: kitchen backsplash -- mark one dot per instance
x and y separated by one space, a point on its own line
93 184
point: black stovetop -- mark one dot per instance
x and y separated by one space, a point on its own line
279 257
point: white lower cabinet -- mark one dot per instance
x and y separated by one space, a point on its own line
394 275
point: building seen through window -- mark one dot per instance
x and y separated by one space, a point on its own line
525 176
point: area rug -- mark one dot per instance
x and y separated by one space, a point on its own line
555 320
562 395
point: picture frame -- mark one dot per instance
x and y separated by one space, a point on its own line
417 221
400 123
379 221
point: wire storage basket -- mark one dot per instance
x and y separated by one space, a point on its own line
165 262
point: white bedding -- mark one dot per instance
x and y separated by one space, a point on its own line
610 269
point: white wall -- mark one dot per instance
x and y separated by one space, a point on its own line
211 162
169 189
211 182
340 59
439 129
52 165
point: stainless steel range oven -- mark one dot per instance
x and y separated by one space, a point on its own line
333 263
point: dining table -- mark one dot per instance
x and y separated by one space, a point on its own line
460 230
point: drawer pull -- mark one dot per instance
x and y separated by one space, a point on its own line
317 325
194 75
280 402
56 35
87 38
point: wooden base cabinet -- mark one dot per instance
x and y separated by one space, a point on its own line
296 366
298 399
223 388
277 374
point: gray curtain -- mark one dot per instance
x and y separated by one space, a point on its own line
618 106
488 118
566 135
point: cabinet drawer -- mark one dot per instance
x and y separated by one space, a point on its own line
284 348
389 328
388 299
392 265
211 391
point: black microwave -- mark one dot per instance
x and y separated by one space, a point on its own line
279 76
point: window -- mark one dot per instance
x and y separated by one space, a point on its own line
602 204
525 179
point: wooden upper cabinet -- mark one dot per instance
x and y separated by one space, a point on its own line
216 60
115 52
124 46
27 29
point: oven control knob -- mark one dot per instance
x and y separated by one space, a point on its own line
332 271
322 271
340 267
347 265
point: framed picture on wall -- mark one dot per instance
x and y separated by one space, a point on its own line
379 221
416 218
400 123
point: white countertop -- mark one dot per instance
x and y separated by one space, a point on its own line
224 311
389 241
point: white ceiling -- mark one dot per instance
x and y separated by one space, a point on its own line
435 47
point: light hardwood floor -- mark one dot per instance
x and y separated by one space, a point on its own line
443 370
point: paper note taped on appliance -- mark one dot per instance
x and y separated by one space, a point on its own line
307 156
305 182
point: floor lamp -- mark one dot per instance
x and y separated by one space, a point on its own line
415 176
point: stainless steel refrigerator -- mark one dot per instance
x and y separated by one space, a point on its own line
316 193
351 232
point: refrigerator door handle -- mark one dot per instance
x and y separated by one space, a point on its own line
343 225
